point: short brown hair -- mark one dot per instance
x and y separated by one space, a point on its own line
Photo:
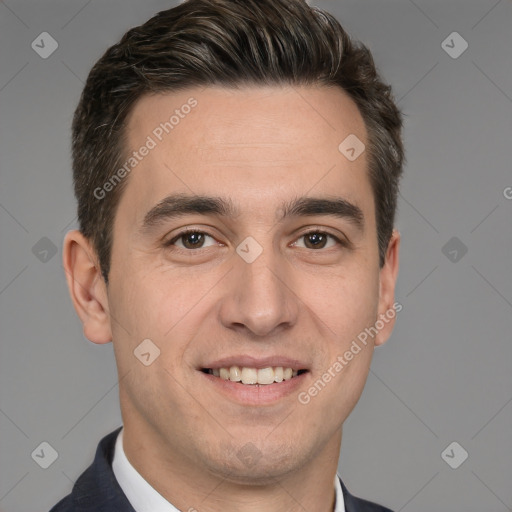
228 43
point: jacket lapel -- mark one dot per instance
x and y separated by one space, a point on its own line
97 488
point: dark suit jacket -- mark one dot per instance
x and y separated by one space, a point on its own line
97 490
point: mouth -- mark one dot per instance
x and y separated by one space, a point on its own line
250 376
255 381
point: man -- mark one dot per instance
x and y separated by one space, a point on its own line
236 165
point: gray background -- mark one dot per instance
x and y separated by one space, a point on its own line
444 376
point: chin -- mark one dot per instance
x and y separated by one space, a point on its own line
246 464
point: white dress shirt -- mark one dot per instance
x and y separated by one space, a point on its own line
143 498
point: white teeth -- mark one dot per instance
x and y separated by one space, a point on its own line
255 376
249 376
235 374
266 376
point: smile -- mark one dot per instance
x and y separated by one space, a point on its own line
253 376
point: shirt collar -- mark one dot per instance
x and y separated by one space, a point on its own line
144 498
141 495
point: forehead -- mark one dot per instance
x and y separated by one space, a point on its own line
254 144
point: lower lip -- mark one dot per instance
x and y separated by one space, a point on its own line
256 394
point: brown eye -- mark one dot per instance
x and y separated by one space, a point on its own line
317 240
189 240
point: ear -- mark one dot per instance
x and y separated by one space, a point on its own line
387 279
87 287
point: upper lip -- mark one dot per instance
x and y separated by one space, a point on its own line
256 362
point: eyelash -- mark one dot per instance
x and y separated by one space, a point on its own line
185 232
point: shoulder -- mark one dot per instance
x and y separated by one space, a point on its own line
96 488
64 505
368 506
355 504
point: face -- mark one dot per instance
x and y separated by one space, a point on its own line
276 273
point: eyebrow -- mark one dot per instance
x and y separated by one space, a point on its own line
178 205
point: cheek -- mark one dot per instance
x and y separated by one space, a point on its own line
158 307
344 303
150 302
166 307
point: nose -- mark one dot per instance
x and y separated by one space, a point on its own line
259 297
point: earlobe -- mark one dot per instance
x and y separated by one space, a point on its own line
388 276
86 287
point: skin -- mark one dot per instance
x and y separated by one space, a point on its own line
259 146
